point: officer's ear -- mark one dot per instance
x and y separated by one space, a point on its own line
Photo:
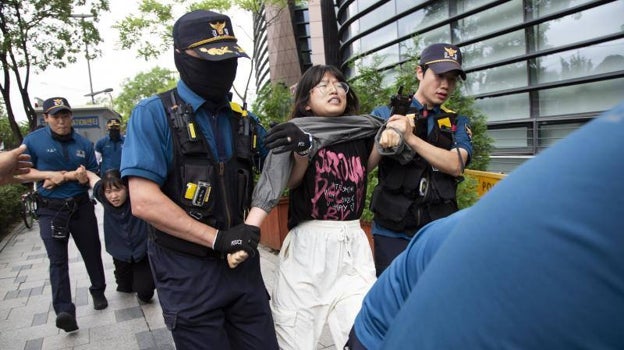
420 72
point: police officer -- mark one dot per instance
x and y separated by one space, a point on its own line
548 276
188 157
60 158
108 148
408 196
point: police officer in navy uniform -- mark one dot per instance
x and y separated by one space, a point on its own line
60 157
188 157
108 148
410 195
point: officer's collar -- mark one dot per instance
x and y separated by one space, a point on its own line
62 138
196 101
420 107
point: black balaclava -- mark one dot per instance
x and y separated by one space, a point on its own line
114 134
211 80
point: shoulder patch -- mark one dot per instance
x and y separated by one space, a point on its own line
238 109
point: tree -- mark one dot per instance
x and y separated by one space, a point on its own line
8 139
143 85
149 31
273 103
37 34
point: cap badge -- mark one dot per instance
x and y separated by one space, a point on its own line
450 53
218 26
216 51
58 102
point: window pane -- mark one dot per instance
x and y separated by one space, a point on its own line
402 5
543 8
423 18
379 37
505 107
499 48
389 56
581 62
510 138
505 164
439 35
363 4
549 134
498 78
467 5
582 98
590 24
377 16
494 19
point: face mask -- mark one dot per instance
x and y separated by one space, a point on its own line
114 134
211 80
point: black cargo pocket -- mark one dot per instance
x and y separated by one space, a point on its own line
446 186
170 320
391 206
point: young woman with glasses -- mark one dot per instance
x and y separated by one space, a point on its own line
325 263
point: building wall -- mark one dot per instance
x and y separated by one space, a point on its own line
316 32
538 69
283 53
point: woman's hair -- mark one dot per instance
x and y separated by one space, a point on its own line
112 179
309 80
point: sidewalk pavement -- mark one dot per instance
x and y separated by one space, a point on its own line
27 319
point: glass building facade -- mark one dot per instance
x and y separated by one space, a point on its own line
538 69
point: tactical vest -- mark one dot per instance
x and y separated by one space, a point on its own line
408 196
213 192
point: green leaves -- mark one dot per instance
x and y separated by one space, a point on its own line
148 32
143 85
37 34
273 103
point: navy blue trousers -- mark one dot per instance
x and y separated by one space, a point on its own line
207 305
136 277
83 228
386 249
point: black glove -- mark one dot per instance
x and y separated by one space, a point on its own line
290 137
240 237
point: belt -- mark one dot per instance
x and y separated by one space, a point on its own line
182 246
59 202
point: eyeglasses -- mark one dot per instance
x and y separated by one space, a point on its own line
340 87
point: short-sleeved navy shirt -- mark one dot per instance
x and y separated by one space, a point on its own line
111 153
48 154
148 146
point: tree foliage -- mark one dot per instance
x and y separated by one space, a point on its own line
273 103
37 34
148 32
8 139
143 85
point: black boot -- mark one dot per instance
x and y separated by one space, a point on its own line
66 322
99 301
